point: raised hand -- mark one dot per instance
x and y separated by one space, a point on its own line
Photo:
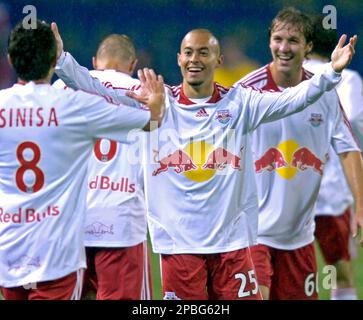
58 39
342 56
152 93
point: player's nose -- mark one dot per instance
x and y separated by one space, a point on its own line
284 46
194 57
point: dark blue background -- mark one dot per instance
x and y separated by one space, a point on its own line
158 26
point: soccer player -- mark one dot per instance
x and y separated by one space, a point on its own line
289 160
333 209
204 218
115 228
46 137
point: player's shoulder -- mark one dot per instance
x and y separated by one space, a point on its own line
59 84
254 77
222 89
307 74
173 91
75 98
115 79
7 94
351 75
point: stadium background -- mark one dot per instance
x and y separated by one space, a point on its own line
157 27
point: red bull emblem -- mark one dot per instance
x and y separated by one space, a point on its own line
223 116
303 158
271 160
316 119
220 158
179 160
98 229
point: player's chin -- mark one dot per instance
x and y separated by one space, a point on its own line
195 82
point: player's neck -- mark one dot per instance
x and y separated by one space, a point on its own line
41 81
113 65
286 79
46 80
198 92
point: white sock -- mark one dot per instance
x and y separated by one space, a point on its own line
344 294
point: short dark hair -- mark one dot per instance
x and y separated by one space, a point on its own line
324 40
32 51
297 19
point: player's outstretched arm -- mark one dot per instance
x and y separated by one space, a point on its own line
353 168
79 78
266 106
152 94
341 56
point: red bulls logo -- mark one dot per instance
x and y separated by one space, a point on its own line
271 160
179 160
220 158
303 158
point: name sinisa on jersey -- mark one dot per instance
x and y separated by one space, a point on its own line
28 117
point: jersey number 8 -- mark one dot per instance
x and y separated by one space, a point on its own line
29 165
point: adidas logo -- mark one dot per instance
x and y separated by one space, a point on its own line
202 113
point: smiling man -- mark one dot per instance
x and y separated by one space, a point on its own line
289 160
197 63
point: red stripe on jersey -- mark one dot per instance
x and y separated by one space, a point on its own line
222 88
306 74
253 88
309 74
255 74
252 83
107 98
216 96
174 90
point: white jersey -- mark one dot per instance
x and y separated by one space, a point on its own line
200 188
350 92
46 138
116 212
289 157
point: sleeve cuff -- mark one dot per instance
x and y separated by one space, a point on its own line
61 59
332 72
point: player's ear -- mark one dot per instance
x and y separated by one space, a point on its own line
54 62
309 47
9 59
220 60
94 63
133 66
178 58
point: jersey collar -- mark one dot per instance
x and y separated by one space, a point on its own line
271 85
216 96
